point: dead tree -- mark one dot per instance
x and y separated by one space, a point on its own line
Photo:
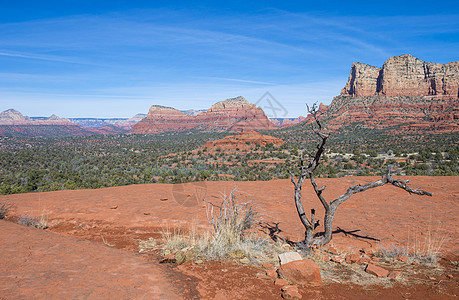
331 207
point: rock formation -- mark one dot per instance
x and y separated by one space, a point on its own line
95 123
406 93
163 119
404 75
13 123
14 117
243 141
233 115
287 122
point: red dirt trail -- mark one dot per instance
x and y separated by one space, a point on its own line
72 262
42 265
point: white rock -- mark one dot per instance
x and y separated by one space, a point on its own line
287 257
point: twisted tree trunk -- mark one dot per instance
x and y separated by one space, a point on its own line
330 208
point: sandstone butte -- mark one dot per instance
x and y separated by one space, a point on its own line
243 141
233 115
406 93
13 117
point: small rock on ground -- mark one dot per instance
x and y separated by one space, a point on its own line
376 270
287 257
302 272
290 292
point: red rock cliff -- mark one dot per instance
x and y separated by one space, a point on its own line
404 75
406 92
234 115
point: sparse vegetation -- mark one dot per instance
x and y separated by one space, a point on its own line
4 209
37 222
426 246
392 251
230 238
49 164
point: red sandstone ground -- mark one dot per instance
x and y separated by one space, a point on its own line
69 260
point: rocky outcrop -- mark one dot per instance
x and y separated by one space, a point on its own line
13 123
243 141
95 123
406 93
233 115
287 122
14 117
362 82
164 119
404 75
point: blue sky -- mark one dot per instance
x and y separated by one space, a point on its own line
117 58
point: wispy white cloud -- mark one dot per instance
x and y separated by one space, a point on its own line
187 60
34 56
237 80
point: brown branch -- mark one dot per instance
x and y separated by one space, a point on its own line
319 192
330 208
385 180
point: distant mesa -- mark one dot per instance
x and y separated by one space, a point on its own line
13 123
405 94
192 112
95 123
287 122
14 117
232 115
243 141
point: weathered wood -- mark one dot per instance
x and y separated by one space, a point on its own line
330 208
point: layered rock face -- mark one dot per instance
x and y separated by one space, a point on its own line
234 115
406 92
163 119
402 76
243 141
362 82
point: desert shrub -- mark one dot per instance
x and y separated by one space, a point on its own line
178 238
4 209
392 251
423 247
427 246
230 220
147 245
28 220
230 237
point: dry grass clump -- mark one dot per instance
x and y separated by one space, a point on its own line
4 209
423 247
37 222
179 238
392 251
426 246
148 245
231 237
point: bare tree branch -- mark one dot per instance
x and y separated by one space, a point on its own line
330 208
